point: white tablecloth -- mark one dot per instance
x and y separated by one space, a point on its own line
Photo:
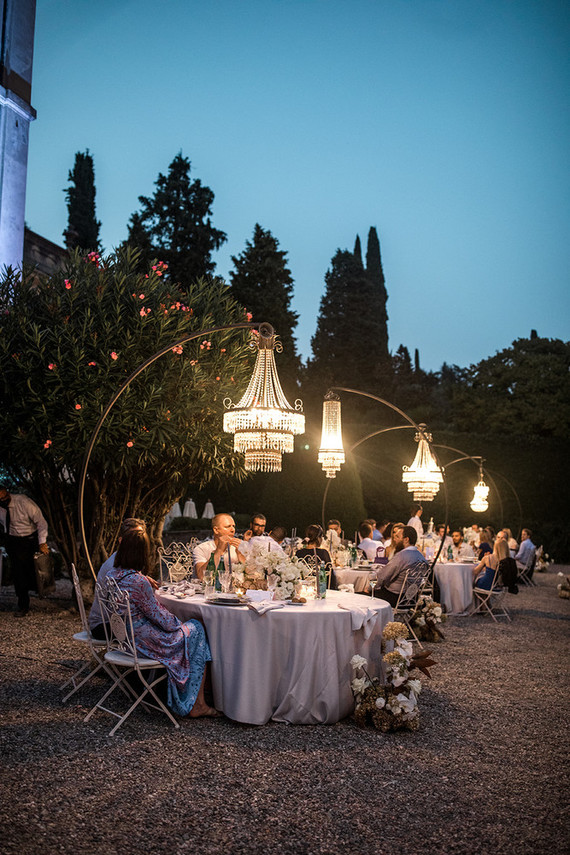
291 664
357 577
456 586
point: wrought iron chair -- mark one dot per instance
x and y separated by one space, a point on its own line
526 572
412 587
177 560
491 601
123 656
97 647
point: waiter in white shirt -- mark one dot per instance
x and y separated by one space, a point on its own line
25 532
415 521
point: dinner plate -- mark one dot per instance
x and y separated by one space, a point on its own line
224 601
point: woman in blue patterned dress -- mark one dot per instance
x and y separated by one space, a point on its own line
181 647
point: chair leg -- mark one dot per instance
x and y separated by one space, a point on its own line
140 700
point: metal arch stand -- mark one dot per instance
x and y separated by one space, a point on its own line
112 402
411 424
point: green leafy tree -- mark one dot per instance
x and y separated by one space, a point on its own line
262 282
82 225
67 344
522 390
174 224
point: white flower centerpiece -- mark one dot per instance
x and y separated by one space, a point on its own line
266 569
392 705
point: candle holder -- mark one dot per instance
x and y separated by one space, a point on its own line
306 589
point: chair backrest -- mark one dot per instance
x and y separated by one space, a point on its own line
79 598
178 560
413 585
116 610
311 562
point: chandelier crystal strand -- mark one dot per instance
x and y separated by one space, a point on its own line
331 453
263 422
479 502
424 476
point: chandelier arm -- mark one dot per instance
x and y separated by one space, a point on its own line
516 495
110 405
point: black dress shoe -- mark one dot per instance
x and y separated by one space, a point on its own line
21 613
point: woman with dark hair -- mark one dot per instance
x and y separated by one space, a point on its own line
313 553
181 647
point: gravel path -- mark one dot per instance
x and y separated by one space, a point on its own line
487 771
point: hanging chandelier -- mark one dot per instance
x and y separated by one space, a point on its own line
331 452
479 502
263 422
424 476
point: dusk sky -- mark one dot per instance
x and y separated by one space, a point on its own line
444 123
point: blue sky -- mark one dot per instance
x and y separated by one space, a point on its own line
444 123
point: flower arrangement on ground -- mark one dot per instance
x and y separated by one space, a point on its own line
427 619
543 560
564 587
268 569
392 705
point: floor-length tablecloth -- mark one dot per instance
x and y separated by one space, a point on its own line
290 664
456 586
359 577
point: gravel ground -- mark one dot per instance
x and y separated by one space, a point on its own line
486 772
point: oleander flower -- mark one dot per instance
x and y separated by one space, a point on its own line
78 406
114 355
358 661
47 443
67 284
130 443
51 366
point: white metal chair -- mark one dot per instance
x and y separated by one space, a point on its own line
525 573
124 658
177 559
413 585
96 646
491 601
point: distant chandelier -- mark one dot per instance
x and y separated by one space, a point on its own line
263 422
424 476
479 502
331 452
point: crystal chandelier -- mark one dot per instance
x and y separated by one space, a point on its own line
479 502
424 476
331 452
263 422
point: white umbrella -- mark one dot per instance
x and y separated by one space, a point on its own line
208 511
190 510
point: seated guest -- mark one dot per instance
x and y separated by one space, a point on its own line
95 618
334 534
391 540
181 647
375 533
367 544
513 545
224 529
484 572
485 547
440 534
313 549
460 549
256 527
415 521
270 542
391 576
526 550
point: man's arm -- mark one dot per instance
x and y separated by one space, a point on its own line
39 521
388 572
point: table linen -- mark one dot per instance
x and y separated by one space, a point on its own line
291 664
357 577
456 586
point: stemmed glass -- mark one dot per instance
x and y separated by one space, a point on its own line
373 583
225 575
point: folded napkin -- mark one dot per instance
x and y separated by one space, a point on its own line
362 618
263 607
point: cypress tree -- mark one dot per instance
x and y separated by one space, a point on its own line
378 305
82 225
262 283
358 251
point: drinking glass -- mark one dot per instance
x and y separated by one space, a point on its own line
373 583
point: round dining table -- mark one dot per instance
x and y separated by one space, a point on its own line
456 586
291 664
357 576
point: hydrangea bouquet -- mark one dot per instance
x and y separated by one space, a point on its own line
265 569
392 705
427 619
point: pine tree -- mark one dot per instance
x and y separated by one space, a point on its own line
378 306
82 225
262 283
174 225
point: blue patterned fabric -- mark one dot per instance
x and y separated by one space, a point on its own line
181 647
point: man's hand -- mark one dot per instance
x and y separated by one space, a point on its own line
44 548
248 534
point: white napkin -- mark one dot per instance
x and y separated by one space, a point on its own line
362 618
266 606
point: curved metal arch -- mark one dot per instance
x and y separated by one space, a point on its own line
113 401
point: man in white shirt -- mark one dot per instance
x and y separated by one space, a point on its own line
25 532
460 549
264 543
223 545
447 541
416 512
367 544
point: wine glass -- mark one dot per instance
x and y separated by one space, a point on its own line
373 583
